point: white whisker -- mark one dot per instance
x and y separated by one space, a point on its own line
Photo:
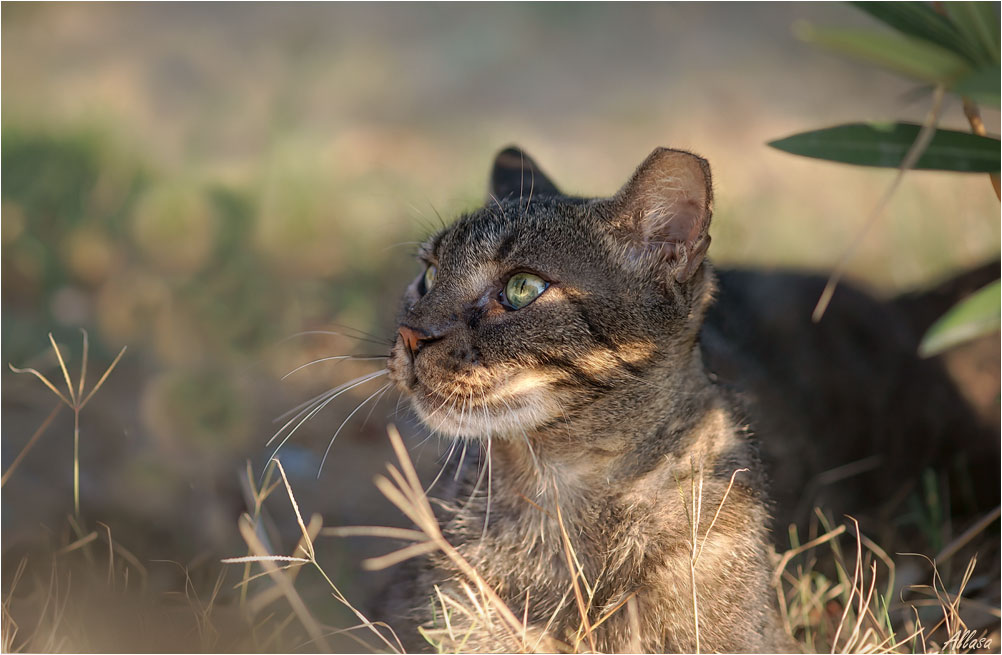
462 417
427 438
563 412
487 513
314 412
462 459
373 408
335 358
445 464
490 469
535 464
345 422
441 405
400 400
367 337
476 486
402 243
324 398
310 411
498 203
532 183
304 406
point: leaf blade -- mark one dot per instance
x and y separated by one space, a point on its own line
981 86
919 20
977 24
909 56
978 314
885 145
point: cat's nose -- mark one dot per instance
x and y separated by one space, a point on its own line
415 339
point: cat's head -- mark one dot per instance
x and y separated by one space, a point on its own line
539 303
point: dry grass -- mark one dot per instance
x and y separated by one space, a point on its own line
840 600
283 569
94 594
75 400
694 510
838 591
88 571
834 597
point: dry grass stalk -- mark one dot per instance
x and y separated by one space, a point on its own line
406 492
478 602
268 563
282 569
8 625
915 152
255 497
693 514
949 603
48 633
951 549
479 607
31 443
576 572
76 401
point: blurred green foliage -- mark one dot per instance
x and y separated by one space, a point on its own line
954 46
201 276
154 254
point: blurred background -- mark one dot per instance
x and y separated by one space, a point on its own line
202 182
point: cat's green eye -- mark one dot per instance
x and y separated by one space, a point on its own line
428 281
522 289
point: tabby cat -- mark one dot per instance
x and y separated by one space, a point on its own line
562 333
614 497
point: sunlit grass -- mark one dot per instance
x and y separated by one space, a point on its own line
283 569
75 400
832 598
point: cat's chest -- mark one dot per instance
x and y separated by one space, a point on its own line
544 553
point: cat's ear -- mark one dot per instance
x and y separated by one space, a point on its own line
665 209
516 174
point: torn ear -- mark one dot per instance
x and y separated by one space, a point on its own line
516 174
666 208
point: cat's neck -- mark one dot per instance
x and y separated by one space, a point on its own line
668 418
538 497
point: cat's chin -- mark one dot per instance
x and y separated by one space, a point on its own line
498 414
481 423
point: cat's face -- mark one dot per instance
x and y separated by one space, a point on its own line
529 307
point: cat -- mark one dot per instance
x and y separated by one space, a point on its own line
627 405
562 334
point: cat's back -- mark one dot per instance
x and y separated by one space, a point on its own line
845 410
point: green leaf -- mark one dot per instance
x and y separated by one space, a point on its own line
885 145
918 19
981 86
907 55
978 24
972 317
